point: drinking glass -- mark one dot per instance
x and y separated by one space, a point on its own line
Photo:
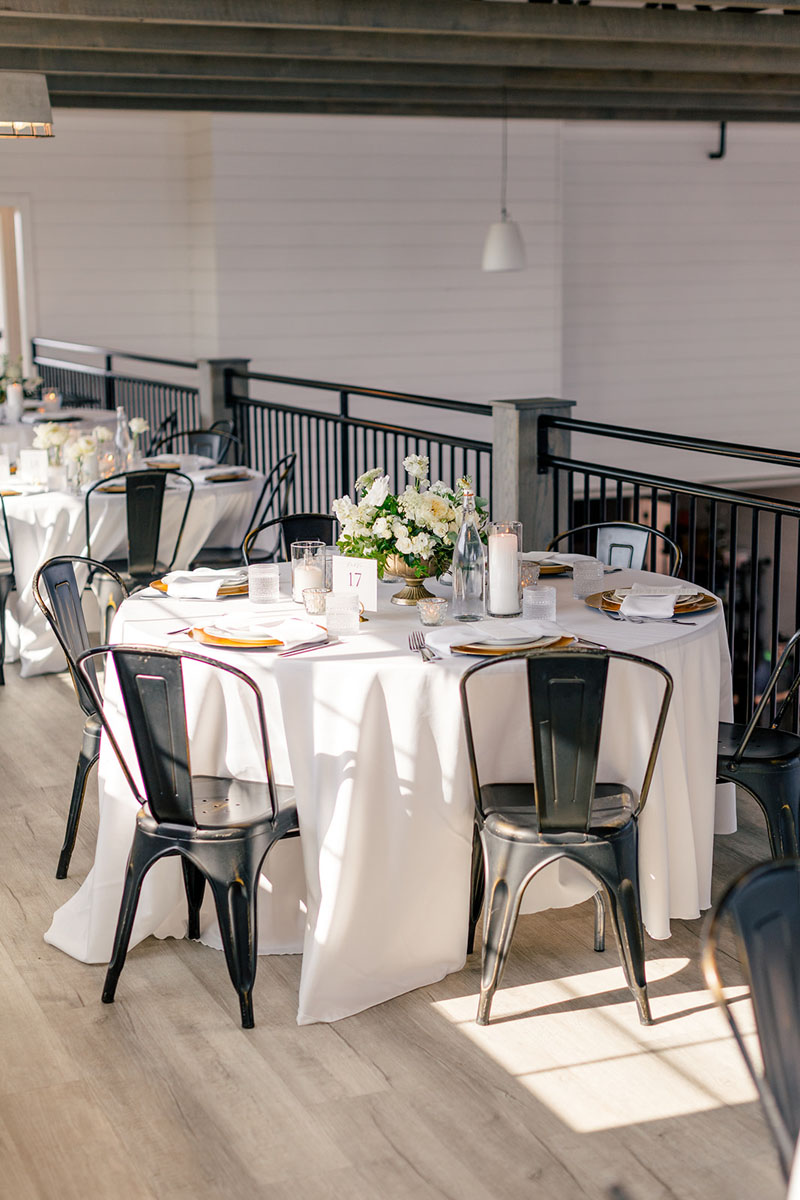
539 603
432 610
342 611
308 567
263 585
587 577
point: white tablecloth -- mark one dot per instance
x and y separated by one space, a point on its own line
372 739
50 523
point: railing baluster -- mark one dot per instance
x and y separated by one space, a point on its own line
776 606
752 638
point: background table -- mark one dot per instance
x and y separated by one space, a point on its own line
45 524
372 739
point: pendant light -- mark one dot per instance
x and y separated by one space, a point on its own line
24 105
504 249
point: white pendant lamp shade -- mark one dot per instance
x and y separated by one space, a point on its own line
504 249
24 105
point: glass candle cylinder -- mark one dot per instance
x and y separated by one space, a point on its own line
505 544
308 567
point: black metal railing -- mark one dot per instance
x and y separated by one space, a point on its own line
335 446
740 545
100 384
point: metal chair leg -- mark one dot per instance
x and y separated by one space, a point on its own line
478 881
89 754
4 590
506 876
622 895
599 922
236 911
140 860
194 882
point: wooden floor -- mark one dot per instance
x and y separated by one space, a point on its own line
163 1097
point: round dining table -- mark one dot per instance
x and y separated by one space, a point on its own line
375 892
46 522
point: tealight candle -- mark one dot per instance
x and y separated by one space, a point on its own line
504 546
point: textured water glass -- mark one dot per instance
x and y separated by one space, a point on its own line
587 578
263 584
314 600
433 610
529 574
539 603
342 611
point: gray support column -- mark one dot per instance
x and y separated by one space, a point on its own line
211 382
519 492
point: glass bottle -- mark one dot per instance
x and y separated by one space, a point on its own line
122 441
469 566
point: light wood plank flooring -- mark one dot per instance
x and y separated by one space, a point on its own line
163 1097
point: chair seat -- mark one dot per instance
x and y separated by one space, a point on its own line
120 565
510 812
218 556
765 745
224 803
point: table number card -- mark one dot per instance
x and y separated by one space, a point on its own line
358 573
33 466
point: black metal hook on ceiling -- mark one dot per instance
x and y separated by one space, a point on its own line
721 152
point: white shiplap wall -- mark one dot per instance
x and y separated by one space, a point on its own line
110 240
682 282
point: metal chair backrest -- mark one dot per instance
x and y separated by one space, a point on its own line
152 686
566 692
766 697
623 543
6 548
65 616
274 497
764 907
210 443
144 502
168 425
296 527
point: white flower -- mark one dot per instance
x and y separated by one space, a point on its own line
101 433
49 434
364 481
344 509
80 447
404 545
422 545
399 530
417 465
382 528
138 425
378 492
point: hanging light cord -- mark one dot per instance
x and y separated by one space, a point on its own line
504 158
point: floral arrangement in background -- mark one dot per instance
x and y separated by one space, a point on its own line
11 372
137 426
51 436
420 524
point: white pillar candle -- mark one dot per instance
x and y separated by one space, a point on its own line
306 575
503 573
14 401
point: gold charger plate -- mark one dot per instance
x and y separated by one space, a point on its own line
482 650
213 639
162 466
236 589
116 488
228 477
599 600
10 492
553 568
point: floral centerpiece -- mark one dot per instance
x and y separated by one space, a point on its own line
77 449
11 376
410 534
137 426
51 436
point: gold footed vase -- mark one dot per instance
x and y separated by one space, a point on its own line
414 589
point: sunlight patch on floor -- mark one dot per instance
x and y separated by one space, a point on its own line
576 1044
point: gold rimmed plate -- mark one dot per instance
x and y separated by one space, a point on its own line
554 568
487 650
207 637
234 589
228 477
702 603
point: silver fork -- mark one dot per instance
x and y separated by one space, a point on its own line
416 641
618 616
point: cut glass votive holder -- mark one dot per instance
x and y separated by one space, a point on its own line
432 610
539 603
529 574
315 599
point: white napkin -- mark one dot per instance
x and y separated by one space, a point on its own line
202 584
656 601
550 556
491 633
293 631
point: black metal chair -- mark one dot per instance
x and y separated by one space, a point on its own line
168 425
144 500
64 615
211 443
564 812
7 582
297 527
273 497
766 762
222 827
622 543
763 905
